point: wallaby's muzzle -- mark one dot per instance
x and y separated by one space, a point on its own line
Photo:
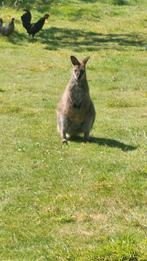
81 74
78 74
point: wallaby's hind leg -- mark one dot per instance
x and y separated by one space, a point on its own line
88 124
62 124
86 136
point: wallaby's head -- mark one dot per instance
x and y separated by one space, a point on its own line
79 68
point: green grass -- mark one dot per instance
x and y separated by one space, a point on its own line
83 202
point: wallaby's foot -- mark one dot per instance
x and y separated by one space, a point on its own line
87 138
63 137
64 141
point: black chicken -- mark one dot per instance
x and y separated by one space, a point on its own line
9 29
32 28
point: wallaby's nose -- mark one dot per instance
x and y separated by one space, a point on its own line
81 74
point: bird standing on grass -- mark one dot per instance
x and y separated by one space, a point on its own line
9 29
32 28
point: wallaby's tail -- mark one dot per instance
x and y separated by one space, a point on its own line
26 19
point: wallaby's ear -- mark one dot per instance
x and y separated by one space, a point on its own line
85 60
74 60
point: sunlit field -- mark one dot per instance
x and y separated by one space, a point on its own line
81 201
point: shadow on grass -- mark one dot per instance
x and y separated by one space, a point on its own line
18 38
75 39
112 143
107 142
80 40
1 90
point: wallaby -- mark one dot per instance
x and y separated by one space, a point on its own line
76 112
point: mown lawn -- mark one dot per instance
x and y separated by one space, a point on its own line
84 201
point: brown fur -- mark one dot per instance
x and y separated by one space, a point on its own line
75 112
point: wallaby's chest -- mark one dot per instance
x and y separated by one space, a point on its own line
77 96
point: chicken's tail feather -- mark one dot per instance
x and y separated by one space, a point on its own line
26 19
